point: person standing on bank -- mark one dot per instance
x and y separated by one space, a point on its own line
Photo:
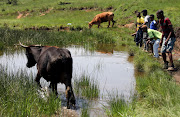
147 23
153 24
168 39
139 34
146 18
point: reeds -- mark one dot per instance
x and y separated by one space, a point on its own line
86 87
20 97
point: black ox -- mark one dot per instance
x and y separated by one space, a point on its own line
54 64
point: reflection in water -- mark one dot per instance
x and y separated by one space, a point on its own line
112 71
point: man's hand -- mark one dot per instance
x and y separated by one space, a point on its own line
165 43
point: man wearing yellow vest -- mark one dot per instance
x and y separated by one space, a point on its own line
139 34
140 20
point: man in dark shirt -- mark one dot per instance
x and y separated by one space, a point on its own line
168 39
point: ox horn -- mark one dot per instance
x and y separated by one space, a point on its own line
22 45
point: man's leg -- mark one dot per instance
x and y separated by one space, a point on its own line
169 51
155 48
165 62
171 59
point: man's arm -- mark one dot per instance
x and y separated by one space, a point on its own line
171 31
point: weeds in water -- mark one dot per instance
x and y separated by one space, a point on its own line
19 97
118 107
86 87
85 111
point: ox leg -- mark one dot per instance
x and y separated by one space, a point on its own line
37 79
108 23
53 86
113 22
70 96
98 25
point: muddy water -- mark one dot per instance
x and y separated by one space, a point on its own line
113 72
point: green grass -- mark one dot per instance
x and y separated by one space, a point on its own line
118 107
10 37
85 111
19 97
158 93
86 87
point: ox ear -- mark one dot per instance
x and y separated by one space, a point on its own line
24 46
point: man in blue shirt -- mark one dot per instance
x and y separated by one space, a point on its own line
153 24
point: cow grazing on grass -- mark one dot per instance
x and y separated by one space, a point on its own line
54 64
102 17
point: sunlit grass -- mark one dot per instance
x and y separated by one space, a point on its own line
87 87
85 111
10 37
158 92
20 97
118 106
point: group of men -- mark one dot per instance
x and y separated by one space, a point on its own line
147 33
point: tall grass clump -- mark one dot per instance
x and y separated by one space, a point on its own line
118 106
86 87
85 111
19 97
132 50
139 60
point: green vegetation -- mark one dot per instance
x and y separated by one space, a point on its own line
85 111
87 38
86 87
19 97
157 93
118 106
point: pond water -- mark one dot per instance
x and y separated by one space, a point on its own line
113 71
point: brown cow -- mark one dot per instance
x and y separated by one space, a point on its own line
102 17
54 64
